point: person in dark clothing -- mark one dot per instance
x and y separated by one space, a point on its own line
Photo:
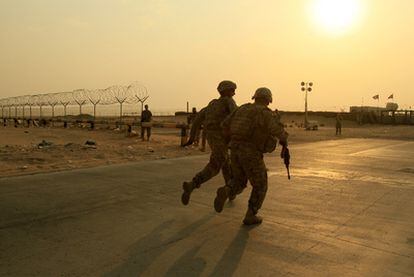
146 118
191 116
200 131
211 117
338 124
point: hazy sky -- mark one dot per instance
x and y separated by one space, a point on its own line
181 49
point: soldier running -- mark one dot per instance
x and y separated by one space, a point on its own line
211 118
253 131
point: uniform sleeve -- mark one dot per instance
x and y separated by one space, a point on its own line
225 124
275 127
231 105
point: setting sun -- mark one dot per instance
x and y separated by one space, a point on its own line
336 16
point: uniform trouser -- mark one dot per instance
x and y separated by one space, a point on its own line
338 129
247 164
203 139
219 160
143 132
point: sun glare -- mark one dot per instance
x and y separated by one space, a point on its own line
336 16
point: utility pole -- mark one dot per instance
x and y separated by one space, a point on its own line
306 87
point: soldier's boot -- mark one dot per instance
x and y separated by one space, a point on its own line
233 193
251 218
188 187
221 197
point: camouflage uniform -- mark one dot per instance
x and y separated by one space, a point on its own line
211 117
253 131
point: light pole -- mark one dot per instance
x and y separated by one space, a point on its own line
306 87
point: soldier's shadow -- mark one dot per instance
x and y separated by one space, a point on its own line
147 249
230 260
188 264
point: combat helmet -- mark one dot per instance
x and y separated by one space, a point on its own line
263 93
226 85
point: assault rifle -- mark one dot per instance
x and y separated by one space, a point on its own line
285 155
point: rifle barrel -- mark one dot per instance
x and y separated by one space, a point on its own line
288 172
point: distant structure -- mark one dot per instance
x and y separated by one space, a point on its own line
359 109
391 106
384 115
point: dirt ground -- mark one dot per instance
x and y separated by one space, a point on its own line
20 152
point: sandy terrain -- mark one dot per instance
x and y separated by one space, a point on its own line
20 153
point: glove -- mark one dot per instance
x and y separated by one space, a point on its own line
285 150
283 143
282 152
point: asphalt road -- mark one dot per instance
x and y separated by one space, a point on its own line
348 211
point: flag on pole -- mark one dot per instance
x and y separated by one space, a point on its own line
375 97
391 96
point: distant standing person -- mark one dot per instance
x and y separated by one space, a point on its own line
338 124
146 116
190 119
192 116
198 130
201 132
276 115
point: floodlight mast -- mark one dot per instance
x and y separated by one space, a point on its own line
306 87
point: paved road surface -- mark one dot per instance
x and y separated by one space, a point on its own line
348 211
